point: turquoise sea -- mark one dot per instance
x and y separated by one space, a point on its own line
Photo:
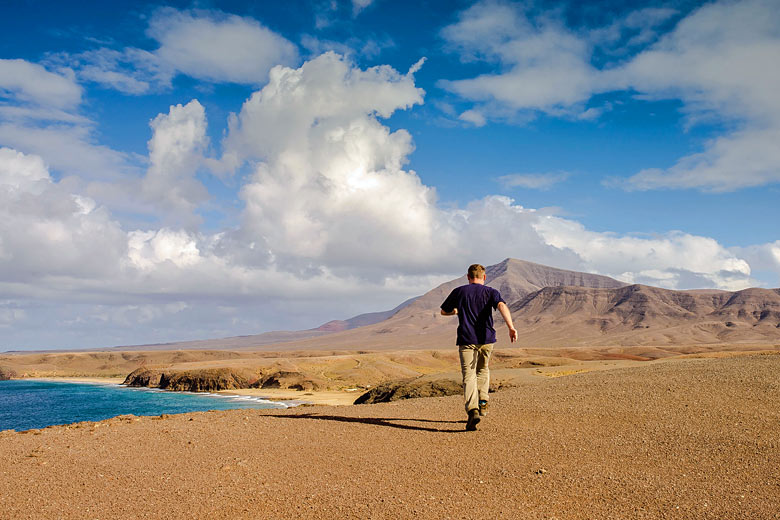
29 403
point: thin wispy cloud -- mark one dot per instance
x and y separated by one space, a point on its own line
205 44
360 5
533 181
30 83
41 112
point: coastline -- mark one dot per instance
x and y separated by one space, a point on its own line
291 397
319 397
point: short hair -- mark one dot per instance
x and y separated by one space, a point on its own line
476 271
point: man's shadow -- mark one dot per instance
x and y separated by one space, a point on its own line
378 421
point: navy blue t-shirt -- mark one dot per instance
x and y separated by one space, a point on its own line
475 303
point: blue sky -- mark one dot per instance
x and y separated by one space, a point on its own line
205 169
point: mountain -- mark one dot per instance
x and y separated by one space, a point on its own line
514 279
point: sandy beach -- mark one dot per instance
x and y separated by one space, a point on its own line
321 397
98 380
693 438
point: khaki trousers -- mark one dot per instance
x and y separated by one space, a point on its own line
474 360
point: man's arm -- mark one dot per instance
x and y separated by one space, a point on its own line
504 310
450 303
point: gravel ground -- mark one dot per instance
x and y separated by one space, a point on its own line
682 439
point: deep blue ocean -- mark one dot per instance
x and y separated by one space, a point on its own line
27 403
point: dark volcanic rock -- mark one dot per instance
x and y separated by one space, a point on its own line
214 379
207 380
143 377
287 379
6 374
410 388
419 387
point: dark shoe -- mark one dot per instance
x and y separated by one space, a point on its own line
483 408
471 424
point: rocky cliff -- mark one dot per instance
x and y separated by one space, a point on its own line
215 379
205 380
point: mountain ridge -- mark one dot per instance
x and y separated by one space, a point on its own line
639 314
514 279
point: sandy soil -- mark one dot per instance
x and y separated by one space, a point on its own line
325 397
695 438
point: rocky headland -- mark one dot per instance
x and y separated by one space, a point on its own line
218 379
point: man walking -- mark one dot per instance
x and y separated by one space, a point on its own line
474 304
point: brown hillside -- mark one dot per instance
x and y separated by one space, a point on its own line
642 315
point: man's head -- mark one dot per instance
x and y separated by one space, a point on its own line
476 273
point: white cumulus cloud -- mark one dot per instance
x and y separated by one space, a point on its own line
331 186
147 249
329 193
762 257
218 47
20 172
49 236
175 153
674 260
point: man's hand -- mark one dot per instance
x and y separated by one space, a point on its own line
512 335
